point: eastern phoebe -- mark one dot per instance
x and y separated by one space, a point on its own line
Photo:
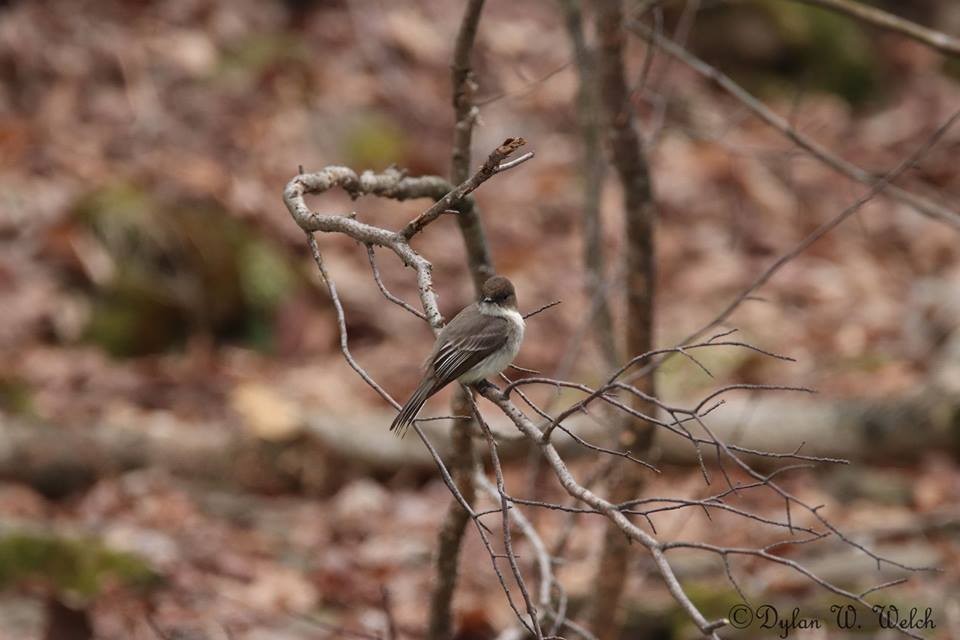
479 342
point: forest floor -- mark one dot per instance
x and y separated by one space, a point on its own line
122 125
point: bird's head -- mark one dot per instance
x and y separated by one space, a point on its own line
499 290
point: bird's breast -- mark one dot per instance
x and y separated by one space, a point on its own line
500 359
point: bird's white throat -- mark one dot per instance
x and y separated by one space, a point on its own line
494 309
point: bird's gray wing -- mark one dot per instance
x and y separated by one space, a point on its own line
480 336
452 356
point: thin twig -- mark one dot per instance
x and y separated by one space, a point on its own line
608 509
593 165
383 289
921 204
541 309
827 227
487 170
505 520
873 16
530 86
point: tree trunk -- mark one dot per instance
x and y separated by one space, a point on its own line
626 150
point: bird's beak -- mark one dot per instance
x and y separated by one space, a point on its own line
488 300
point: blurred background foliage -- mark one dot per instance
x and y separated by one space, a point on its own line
774 47
152 284
158 271
71 569
159 265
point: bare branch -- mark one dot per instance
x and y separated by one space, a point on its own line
510 164
529 87
481 267
465 115
505 520
489 169
342 324
873 16
541 309
919 203
594 169
522 370
450 537
827 227
787 562
544 561
390 184
608 509
680 35
628 159
383 289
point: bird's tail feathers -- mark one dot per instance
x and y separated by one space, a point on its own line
409 411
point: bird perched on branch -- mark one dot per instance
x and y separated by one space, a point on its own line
479 342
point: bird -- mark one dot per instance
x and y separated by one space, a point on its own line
480 341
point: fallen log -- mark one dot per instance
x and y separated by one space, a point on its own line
330 449
317 452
